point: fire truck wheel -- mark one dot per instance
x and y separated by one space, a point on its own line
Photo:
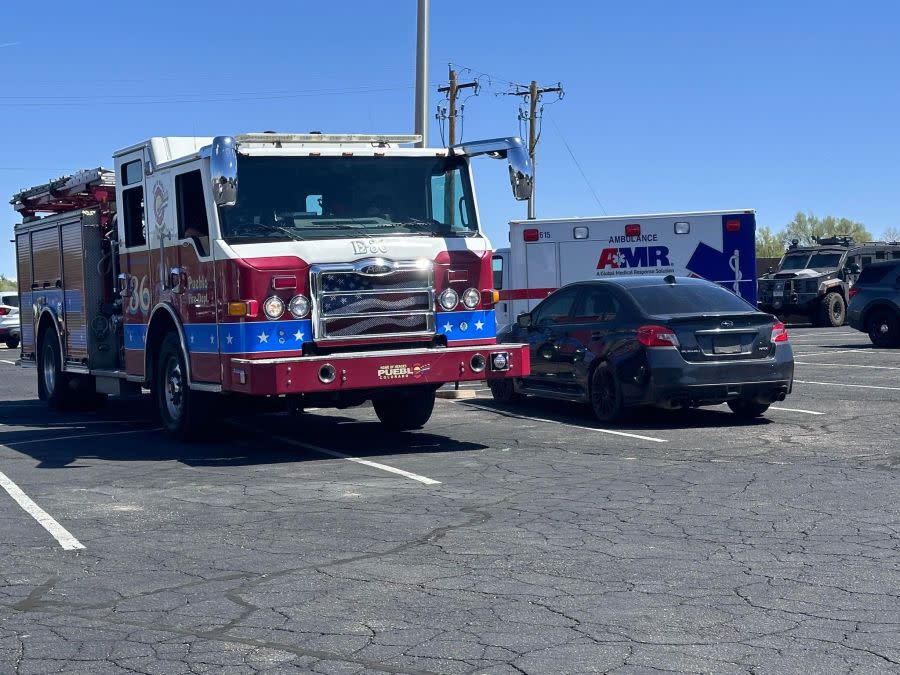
405 411
184 412
53 384
503 391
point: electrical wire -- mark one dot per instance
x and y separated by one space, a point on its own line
577 164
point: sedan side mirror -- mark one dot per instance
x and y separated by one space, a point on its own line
524 320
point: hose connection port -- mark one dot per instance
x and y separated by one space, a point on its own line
327 374
477 363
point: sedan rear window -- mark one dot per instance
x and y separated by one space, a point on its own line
872 274
9 300
666 299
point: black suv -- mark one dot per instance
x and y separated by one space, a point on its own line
814 281
875 303
672 342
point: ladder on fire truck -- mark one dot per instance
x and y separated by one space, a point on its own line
84 189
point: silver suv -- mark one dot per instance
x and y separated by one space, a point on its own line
875 303
9 318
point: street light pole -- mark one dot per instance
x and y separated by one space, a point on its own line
422 72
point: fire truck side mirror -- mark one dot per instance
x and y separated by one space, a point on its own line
521 177
223 169
125 285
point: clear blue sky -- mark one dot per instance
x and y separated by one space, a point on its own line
778 106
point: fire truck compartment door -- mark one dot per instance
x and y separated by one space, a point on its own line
542 265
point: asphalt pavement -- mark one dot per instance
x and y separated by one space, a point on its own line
498 539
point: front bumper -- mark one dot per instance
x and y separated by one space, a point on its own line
371 370
675 382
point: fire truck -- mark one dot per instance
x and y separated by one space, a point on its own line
326 270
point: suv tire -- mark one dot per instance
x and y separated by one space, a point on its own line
832 310
12 342
402 412
884 328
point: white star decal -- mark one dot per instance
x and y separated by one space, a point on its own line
144 338
263 337
448 327
229 339
212 339
298 335
479 325
131 336
192 339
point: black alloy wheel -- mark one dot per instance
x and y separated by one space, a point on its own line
884 328
606 394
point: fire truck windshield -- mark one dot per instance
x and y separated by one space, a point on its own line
303 198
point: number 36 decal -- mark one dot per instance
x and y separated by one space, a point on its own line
139 292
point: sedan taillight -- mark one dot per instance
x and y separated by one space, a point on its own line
657 336
4 311
779 332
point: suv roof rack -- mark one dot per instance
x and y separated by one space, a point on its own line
839 240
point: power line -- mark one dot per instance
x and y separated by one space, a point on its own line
577 164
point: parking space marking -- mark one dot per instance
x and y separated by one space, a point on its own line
357 460
832 351
78 436
574 426
797 410
12 363
61 534
844 365
844 384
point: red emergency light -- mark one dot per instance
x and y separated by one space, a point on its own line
633 230
284 282
733 225
531 235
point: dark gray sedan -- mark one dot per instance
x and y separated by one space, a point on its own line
671 342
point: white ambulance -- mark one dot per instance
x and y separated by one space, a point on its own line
546 254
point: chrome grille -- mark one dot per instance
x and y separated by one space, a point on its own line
373 297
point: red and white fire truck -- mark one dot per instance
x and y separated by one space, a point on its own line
325 269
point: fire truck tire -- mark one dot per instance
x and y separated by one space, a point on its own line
504 391
405 411
184 412
53 384
832 310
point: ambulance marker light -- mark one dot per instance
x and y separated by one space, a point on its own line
732 226
530 234
682 227
284 282
580 232
633 230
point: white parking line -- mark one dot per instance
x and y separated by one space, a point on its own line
796 410
341 455
832 351
844 384
844 365
78 436
574 426
12 363
61 534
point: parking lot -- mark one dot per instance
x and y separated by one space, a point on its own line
521 539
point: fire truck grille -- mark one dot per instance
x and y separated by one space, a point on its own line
373 297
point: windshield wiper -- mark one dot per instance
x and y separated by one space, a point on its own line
284 230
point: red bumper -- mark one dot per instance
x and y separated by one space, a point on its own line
373 370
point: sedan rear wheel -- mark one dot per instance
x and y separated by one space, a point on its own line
606 394
747 409
504 391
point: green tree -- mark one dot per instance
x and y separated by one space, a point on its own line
769 244
7 284
805 227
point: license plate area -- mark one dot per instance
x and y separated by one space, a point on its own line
727 344
779 287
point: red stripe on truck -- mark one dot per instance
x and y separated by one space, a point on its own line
526 293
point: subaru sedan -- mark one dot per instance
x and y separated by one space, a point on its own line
670 342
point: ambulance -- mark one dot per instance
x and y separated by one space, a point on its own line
544 255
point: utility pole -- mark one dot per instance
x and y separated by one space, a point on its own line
533 93
421 121
452 91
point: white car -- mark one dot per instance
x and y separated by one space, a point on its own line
9 318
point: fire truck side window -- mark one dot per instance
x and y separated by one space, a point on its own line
191 209
133 208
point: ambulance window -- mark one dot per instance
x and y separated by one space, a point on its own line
191 208
133 216
497 263
132 172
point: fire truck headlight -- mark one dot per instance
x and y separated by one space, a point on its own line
471 297
449 299
273 307
299 306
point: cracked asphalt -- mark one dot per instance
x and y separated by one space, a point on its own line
548 546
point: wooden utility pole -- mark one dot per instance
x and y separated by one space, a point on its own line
452 91
534 95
